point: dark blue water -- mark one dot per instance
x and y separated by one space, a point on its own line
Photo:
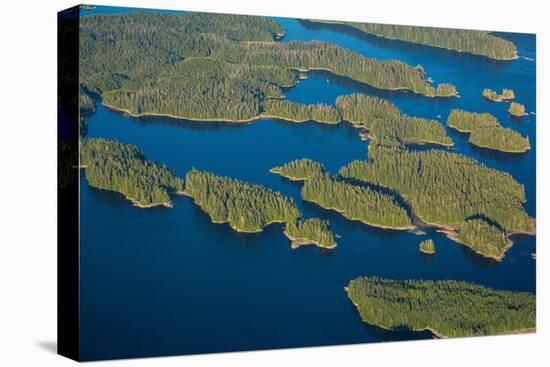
167 281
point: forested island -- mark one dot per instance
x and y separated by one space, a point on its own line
299 169
427 247
115 166
245 207
214 67
485 131
297 112
445 189
447 308
382 118
461 40
312 231
517 109
354 202
491 95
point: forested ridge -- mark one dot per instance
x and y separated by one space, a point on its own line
310 231
472 41
246 207
299 169
299 112
443 187
448 308
382 118
115 166
485 131
356 202
212 66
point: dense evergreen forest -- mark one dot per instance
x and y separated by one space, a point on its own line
299 169
427 247
484 238
443 187
517 109
123 168
212 66
491 95
382 118
448 308
297 112
310 231
485 131
470 41
356 202
246 207
467 122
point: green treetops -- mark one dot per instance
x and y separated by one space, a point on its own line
382 118
471 41
447 308
297 112
123 168
485 131
427 247
484 238
299 169
443 187
310 231
246 207
356 202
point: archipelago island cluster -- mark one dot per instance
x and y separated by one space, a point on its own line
433 162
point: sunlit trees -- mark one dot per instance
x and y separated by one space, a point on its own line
448 308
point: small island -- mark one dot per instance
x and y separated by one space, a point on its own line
382 118
491 95
447 308
427 247
299 169
297 112
111 165
310 232
354 202
517 109
486 132
245 207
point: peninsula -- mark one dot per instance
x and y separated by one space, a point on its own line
470 41
245 207
381 118
299 169
355 202
310 232
115 166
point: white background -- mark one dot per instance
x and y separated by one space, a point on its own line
28 183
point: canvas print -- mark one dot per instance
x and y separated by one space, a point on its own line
252 182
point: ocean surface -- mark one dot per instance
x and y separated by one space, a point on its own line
167 281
